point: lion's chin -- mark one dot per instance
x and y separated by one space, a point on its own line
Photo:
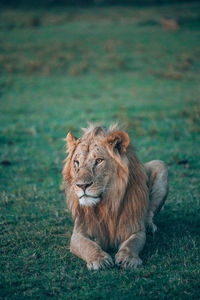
89 201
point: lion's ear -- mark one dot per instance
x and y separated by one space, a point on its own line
118 140
71 141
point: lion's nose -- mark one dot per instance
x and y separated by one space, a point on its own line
84 186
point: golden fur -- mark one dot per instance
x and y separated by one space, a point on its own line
108 200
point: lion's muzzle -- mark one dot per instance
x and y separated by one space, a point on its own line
87 196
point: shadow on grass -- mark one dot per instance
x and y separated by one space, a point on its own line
175 232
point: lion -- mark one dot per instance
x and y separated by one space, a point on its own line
112 197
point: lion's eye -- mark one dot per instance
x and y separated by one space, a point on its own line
98 161
76 163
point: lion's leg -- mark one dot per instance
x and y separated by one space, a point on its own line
157 173
128 254
89 251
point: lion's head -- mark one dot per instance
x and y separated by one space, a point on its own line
94 161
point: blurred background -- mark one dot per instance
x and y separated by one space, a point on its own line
64 64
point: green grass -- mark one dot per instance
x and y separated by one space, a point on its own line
60 69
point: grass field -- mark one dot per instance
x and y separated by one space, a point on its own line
59 69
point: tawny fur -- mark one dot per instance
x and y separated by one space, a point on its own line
118 220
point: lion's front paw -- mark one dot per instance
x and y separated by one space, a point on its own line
127 261
101 262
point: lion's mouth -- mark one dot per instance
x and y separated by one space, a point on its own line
88 200
89 196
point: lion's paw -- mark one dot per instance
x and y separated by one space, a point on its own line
101 262
127 261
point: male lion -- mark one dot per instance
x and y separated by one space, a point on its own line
112 197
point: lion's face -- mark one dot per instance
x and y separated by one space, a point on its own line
92 167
